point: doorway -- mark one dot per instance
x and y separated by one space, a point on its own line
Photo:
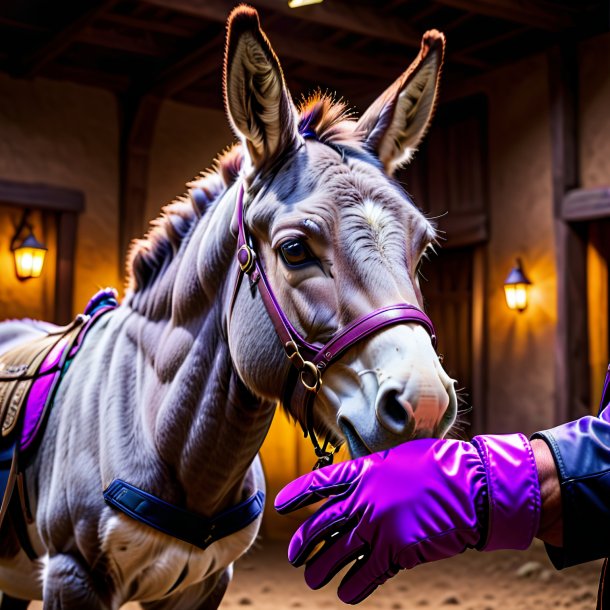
598 306
448 287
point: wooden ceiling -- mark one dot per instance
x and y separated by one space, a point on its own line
173 48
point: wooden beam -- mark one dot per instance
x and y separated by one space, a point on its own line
187 69
135 43
458 22
21 25
457 231
479 45
526 12
67 223
89 76
327 56
479 342
586 204
41 196
341 16
572 392
149 25
200 98
192 66
33 61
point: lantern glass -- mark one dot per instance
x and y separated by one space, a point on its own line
29 258
516 296
515 288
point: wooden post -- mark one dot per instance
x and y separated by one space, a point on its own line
139 122
572 398
64 275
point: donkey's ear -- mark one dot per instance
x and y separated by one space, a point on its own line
258 103
398 119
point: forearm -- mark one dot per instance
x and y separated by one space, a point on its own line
551 524
575 526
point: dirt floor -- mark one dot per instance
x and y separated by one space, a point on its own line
474 581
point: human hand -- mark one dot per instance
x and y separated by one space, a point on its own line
422 501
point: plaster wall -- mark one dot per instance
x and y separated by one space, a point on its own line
520 346
186 141
521 384
63 135
594 111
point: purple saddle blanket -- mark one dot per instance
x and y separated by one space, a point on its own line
25 415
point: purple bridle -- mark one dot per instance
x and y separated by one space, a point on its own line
310 360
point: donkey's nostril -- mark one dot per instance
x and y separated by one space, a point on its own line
393 414
393 409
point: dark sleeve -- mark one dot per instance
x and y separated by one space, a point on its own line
581 450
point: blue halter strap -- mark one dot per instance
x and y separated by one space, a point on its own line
178 522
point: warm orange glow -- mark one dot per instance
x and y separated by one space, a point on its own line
299 3
515 288
516 296
597 312
29 258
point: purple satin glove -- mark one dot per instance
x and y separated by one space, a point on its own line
425 500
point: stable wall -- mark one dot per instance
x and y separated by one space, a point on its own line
65 135
520 346
186 141
594 111
594 151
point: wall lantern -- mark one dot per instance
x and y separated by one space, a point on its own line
29 253
515 288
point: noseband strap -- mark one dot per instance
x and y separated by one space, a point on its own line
310 360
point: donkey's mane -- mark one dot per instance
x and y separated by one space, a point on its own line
320 117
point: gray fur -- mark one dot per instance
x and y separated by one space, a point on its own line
174 391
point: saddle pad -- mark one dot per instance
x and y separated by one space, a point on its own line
23 365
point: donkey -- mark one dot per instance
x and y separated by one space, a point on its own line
175 389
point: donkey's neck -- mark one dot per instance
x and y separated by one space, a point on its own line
208 426
204 423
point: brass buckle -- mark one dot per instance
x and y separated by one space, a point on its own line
313 369
305 367
246 266
292 351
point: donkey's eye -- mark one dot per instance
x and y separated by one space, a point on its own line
296 253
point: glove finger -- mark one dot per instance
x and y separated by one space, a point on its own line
338 551
319 527
362 579
316 485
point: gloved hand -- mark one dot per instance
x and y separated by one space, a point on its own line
425 500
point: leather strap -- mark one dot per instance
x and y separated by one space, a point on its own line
41 364
311 360
178 522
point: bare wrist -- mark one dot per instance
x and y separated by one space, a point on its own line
551 523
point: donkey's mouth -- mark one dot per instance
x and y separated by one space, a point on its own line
357 447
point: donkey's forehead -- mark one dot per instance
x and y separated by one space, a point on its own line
331 182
